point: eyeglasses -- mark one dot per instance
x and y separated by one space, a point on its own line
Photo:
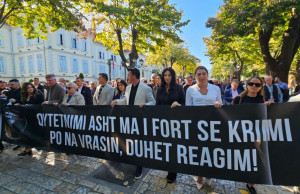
69 88
199 74
254 84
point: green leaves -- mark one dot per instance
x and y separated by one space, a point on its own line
34 16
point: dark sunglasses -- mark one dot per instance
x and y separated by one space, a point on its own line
254 84
69 88
199 74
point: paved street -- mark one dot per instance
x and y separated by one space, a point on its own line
48 172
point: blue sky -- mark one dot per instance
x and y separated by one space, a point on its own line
197 11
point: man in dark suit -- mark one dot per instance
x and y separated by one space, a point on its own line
85 91
14 94
272 91
37 85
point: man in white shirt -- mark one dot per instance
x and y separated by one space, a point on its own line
137 93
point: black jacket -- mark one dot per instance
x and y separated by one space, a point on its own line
87 94
176 93
38 99
15 94
268 95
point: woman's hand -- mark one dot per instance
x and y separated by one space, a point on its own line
66 104
17 104
218 104
268 103
55 103
174 104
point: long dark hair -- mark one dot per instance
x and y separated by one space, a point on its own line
121 82
173 80
24 93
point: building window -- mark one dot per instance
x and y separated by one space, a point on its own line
84 45
28 42
75 67
20 39
102 68
85 66
22 64
61 37
100 56
40 62
30 64
38 40
115 58
2 66
74 43
62 64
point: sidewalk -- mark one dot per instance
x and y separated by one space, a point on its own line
49 172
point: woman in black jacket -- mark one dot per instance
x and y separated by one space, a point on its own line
121 88
30 95
170 93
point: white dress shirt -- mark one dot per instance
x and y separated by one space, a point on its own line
195 98
79 89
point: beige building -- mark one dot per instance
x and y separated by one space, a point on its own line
62 54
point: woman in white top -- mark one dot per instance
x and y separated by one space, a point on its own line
202 94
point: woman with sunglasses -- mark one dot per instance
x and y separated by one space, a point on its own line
170 94
254 93
30 95
202 94
72 97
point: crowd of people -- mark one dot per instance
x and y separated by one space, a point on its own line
163 89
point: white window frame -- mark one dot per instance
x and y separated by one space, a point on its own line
2 65
85 66
20 42
39 59
22 65
62 67
75 66
30 63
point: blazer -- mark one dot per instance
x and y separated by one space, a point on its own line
76 99
143 95
87 94
228 94
57 94
105 97
41 88
275 93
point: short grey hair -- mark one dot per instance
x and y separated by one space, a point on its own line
73 85
50 76
189 75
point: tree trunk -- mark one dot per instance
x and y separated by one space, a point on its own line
280 66
240 62
297 75
121 51
133 56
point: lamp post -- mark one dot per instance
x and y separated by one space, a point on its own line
142 62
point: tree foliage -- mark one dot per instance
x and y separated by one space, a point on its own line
274 24
135 25
173 55
35 16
